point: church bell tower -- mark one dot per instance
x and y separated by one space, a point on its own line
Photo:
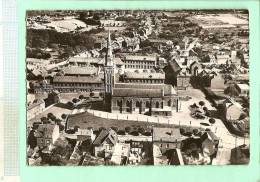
108 74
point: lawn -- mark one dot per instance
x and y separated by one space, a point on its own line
85 120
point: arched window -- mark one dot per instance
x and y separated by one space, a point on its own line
157 104
161 104
170 103
147 104
137 104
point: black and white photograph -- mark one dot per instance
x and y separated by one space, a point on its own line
137 87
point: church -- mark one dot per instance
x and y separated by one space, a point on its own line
136 97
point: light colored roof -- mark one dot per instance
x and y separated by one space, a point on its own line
93 60
166 134
141 58
133 75
78 70
76 79
243 86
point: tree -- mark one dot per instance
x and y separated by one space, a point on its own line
121 132
195 131
141 130
231 91
76 128
74 100
57 121
50 115
70 104
212 120
127 129
182 131
44 120
61 127
201 103
32 141
81 97
205 109
63 116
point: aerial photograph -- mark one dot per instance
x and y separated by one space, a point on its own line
137 87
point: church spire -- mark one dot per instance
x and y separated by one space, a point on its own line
109 56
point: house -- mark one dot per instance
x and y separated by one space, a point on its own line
217 83
35 108
209 143
85 134
47 134
243 89
120 154
166 138
104 143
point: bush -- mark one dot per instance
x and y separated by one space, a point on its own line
121 132
127 129
63 116
141 130
134 133
201 103
81 97
212 120
147 133
74 100
182 131
195 131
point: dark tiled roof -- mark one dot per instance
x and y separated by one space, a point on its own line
101 137
168 89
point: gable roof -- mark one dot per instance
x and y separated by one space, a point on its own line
103 135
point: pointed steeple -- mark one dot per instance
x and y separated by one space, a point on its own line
109 56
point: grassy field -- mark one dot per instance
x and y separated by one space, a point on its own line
85 120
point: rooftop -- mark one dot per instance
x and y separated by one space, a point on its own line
133 75
76 79
79 70
166 134
140 58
